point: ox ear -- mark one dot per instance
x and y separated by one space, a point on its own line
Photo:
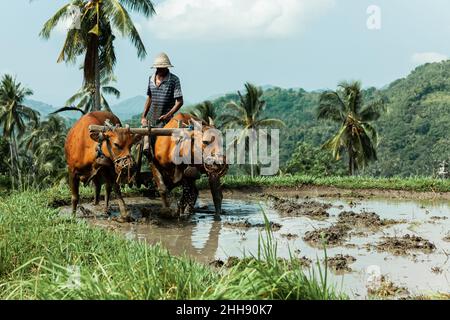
96 136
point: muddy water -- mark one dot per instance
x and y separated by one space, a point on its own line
206 240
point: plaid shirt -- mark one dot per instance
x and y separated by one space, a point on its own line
163 97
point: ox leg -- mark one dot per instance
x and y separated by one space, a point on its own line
182 203
188 198
162 189
124 215
192 196
216 192
108 188
97 188
74 183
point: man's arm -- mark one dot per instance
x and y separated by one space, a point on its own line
147 105
178 104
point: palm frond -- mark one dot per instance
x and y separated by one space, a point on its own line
264 123
372 111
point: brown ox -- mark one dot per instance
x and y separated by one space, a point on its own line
99 157
200 145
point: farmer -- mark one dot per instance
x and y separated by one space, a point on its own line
164 97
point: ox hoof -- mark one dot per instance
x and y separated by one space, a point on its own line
168 213
123 219
217 218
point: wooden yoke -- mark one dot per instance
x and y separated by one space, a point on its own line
141 131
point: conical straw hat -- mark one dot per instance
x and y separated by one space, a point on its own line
162 61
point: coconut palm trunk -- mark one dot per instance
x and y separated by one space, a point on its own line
15 160
92 70
12 168
351 159
97 97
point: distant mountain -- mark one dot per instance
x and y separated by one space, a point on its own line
43 108
128 108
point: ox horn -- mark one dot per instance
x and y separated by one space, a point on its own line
109 125
196 123
211 122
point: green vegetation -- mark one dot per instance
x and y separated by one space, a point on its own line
205 111
83 99
313 161
41 251
13 118
414 133
356 134
247 114
419 184
36 149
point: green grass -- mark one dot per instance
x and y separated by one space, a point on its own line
418 184
60 195
39 251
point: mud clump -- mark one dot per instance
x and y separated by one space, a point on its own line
437 270
447 238
248 262
302 262
404 245
385 288
273 226
437 218
217 263
366 220
340 263
291 208
289 236
331 236
245 224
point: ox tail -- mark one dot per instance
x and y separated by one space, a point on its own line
68 109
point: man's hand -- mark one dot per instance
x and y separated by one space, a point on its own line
165 117
144 122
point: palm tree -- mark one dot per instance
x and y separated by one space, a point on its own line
356 134
205 111
14 116
84 100
247 114
100 20
45 147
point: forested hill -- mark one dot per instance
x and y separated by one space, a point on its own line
414 133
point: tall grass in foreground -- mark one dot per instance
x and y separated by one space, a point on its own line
265 276
46 256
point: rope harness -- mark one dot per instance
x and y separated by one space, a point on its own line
119 162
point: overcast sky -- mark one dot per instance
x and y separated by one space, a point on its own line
217 45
